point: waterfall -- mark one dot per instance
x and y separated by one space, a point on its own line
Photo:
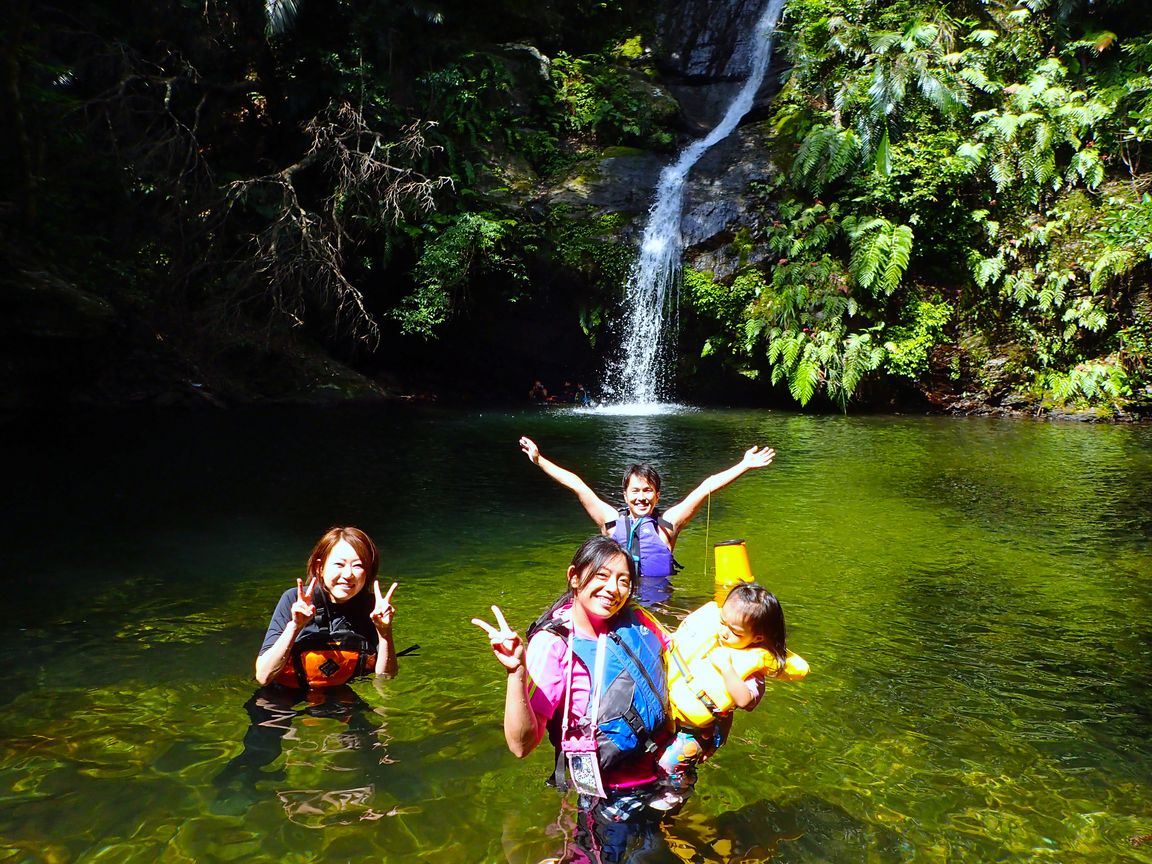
639 374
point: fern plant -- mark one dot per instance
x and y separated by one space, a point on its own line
1090 383
1024 136
910 344
826 155
806 315
833 360
880 253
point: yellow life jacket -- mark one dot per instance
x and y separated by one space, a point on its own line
695 683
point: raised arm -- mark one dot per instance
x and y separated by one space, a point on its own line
600 511
680 514
276 656
382 614
523 729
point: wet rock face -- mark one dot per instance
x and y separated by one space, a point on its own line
717 202
716 199
706 39
616 184
704 50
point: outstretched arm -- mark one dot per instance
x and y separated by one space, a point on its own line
600 511
680 514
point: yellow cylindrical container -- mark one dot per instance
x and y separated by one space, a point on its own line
732 567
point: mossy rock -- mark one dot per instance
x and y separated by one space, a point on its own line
620 183
622 152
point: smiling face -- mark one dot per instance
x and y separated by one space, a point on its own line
735 628
344 574
602 591
640 495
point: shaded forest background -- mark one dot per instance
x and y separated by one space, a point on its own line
213 201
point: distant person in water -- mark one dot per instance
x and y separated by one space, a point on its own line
330 630
648 533
538 393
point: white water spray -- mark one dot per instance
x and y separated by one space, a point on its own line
638 375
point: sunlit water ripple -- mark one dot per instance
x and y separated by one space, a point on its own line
973 596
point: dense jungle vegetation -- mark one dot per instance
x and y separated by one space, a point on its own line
246 198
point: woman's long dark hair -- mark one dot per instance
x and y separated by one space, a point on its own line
593 554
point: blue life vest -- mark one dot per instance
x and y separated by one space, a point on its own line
641 537
634 710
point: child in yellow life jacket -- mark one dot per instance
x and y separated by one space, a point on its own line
718 661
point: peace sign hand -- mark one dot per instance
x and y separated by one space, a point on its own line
303 610
383 611
506 644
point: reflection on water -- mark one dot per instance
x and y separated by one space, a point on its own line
973 596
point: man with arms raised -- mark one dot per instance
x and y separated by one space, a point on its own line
640 526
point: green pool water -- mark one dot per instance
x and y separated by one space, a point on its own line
972 596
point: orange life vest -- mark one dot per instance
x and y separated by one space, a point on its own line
327 660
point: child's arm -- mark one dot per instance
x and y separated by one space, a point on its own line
680 514
600 511
739 688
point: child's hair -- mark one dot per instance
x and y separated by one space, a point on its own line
645 472
763 616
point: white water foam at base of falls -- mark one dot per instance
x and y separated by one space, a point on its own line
637 409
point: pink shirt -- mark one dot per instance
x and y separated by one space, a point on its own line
548 681
755 685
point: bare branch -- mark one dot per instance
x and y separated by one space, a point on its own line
298 257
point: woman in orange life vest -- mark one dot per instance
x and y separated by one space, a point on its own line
331 630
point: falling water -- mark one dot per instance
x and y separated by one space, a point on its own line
636 378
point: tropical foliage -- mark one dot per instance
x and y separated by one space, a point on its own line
957 175
962 187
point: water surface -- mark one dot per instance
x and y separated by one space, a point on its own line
972 595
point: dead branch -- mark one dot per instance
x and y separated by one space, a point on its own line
148 120
298 257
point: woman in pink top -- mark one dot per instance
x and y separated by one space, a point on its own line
592 677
